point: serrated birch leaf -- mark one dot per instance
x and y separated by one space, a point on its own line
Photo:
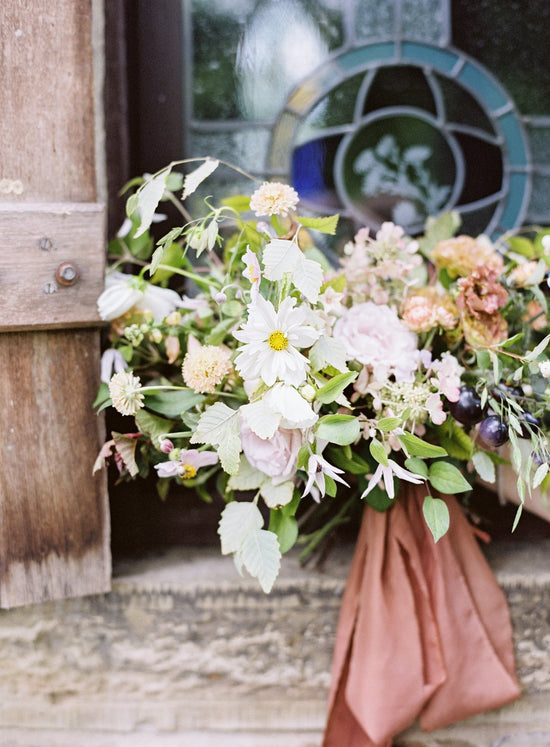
236 521
276 495
219 426
436 515
247 477
280 257
328 352
261 557
484 466
308 278
148 198
196 177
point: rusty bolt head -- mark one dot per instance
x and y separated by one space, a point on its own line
67 273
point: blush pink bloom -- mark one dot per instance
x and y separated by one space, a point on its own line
447 378
375 336
277 456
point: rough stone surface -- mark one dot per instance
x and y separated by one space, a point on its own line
184 652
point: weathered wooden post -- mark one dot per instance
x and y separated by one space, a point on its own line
54 520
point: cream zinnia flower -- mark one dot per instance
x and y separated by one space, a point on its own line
273 198
205 367
126 395
272 339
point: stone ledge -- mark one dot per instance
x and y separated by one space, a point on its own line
183 646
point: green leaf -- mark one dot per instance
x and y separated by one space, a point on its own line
240 203
436 515
540 348
219 426
218 334
388 424
325 224
172 404
247 477
485 466
539 475
521 245
517 517
152 425
126 448
379 499
148 197
335 387
415 446
418 466
438 229
102 394
286 529
378 452
353 463
447 479
338 429
483 359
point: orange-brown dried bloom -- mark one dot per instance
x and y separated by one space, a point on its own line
481 293
462 254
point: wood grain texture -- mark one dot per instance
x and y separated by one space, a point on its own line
53 512
35 241
54 519
46 99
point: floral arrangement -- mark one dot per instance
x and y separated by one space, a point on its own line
251 366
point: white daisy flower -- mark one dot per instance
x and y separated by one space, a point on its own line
272 340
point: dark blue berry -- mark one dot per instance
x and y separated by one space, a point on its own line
493 431
467 409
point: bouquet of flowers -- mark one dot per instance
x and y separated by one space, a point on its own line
252 366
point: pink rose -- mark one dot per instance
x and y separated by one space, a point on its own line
275 456
375 336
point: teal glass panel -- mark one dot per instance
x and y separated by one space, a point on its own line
484 88
441 59
364 56
515 143
515 198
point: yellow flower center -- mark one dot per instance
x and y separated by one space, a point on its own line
278 340
187 471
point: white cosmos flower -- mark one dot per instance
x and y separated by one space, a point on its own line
122 292
272 340
281 406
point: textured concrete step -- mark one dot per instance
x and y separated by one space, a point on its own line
184 652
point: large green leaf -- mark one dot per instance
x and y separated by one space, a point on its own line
338 429
447 479
436 515
417 447
335 387
219 426
172 404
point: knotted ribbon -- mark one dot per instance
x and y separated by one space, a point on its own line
424 629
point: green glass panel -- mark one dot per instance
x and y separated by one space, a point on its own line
461 107
335 109
399 86
512 40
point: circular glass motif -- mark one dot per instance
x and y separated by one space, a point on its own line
398 167
402 132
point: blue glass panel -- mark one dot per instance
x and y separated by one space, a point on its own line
486 89
513 205
365 55
513 136
441 59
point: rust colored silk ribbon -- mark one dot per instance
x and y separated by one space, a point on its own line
424 629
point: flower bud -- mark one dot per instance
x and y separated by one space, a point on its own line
166 446
308 392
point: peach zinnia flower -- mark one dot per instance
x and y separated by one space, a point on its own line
427 308
205 367
273 198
